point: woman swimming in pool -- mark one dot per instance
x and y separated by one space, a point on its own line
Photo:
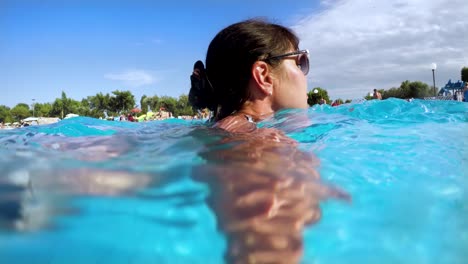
265 190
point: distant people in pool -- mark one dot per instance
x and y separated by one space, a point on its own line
377 95
264 189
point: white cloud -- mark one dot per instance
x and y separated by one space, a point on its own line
134 78
358 45
328 2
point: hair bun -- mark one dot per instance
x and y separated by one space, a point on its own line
200 95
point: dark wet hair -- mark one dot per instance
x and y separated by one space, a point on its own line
222 86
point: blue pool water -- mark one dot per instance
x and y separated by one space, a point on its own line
91 191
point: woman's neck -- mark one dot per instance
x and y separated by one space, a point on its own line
255 111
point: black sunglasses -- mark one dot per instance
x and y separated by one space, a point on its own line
302 59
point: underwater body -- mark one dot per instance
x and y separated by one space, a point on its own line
85 190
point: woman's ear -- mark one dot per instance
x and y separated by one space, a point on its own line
261 74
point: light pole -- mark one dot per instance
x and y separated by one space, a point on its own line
434 67
33 105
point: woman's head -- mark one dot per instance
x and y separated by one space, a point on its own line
231 56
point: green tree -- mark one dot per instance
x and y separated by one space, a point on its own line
414 89
122 101
154 102
407 90
392 92
5 115
464 74
43 110
183 106
83 109
57 108
169 103
73 106
144 104
99 104
420 90
314 98
63 106
20 111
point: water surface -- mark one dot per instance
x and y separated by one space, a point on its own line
87 191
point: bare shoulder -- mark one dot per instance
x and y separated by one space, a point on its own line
236 124
247 130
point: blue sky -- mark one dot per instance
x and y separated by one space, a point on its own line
149 47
